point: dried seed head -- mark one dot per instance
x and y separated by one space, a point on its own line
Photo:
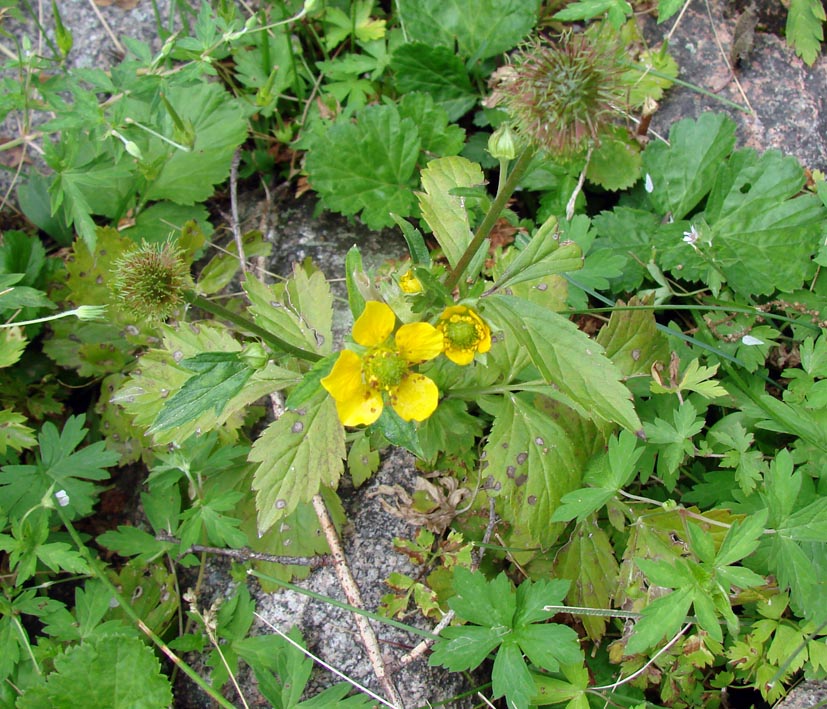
150 280
563 93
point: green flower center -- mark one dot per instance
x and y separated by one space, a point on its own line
384 368
461 333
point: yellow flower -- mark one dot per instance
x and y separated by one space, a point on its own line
409 283
357 383
465 334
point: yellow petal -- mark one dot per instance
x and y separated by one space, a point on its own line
360 411
374 325
461 357
345 379
419 342
415 398
485 341
356 403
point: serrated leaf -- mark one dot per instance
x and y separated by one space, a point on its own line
218 377
374 168
615 163
742 538
218 126
362 460
131 541
617 11
478 600
805 28
763 233
662 617
667 8
543 256
12 345
436 71
299 311
297 455
445 213
439 138
567 358
589 562
549 645
60 467
510 676
14 433
682 171
464 647
532 462
632 341
115 671
493 27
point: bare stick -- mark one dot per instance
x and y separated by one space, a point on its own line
107 28
246 554
573 199
353 596
234 223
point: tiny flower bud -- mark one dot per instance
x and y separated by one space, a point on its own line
254 355
502 145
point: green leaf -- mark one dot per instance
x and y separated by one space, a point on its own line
674 440
510 676
116 672
615 163
464 647
482 29
805 28
588 560
444 212
362 460
437 136
662 617
218 377
60 467
14 433
373 172
532 462
131 541
533 596
477 600
543 256
436 71
742 539
632 340
617 11
782 483
682 171
297 455
567 358
219 127
627 235
763 233
667 8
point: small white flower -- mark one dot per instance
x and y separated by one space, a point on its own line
751 341
62 498
691 237
648 185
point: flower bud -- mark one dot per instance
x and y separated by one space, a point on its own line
502 145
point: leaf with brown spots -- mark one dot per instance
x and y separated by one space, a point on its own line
297 455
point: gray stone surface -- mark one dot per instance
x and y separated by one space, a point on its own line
807 695
786 96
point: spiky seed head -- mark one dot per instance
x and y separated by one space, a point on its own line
150 280
562 93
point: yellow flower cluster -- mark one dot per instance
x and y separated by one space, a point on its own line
358 383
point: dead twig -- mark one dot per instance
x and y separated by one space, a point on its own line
354 597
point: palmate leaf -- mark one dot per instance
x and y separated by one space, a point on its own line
566 358
297 455
373 169
218 126
436 71
682 171
114 671
532 462
632 340
763 234
482 29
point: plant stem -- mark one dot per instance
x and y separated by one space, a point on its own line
491 217
273 340
125 604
